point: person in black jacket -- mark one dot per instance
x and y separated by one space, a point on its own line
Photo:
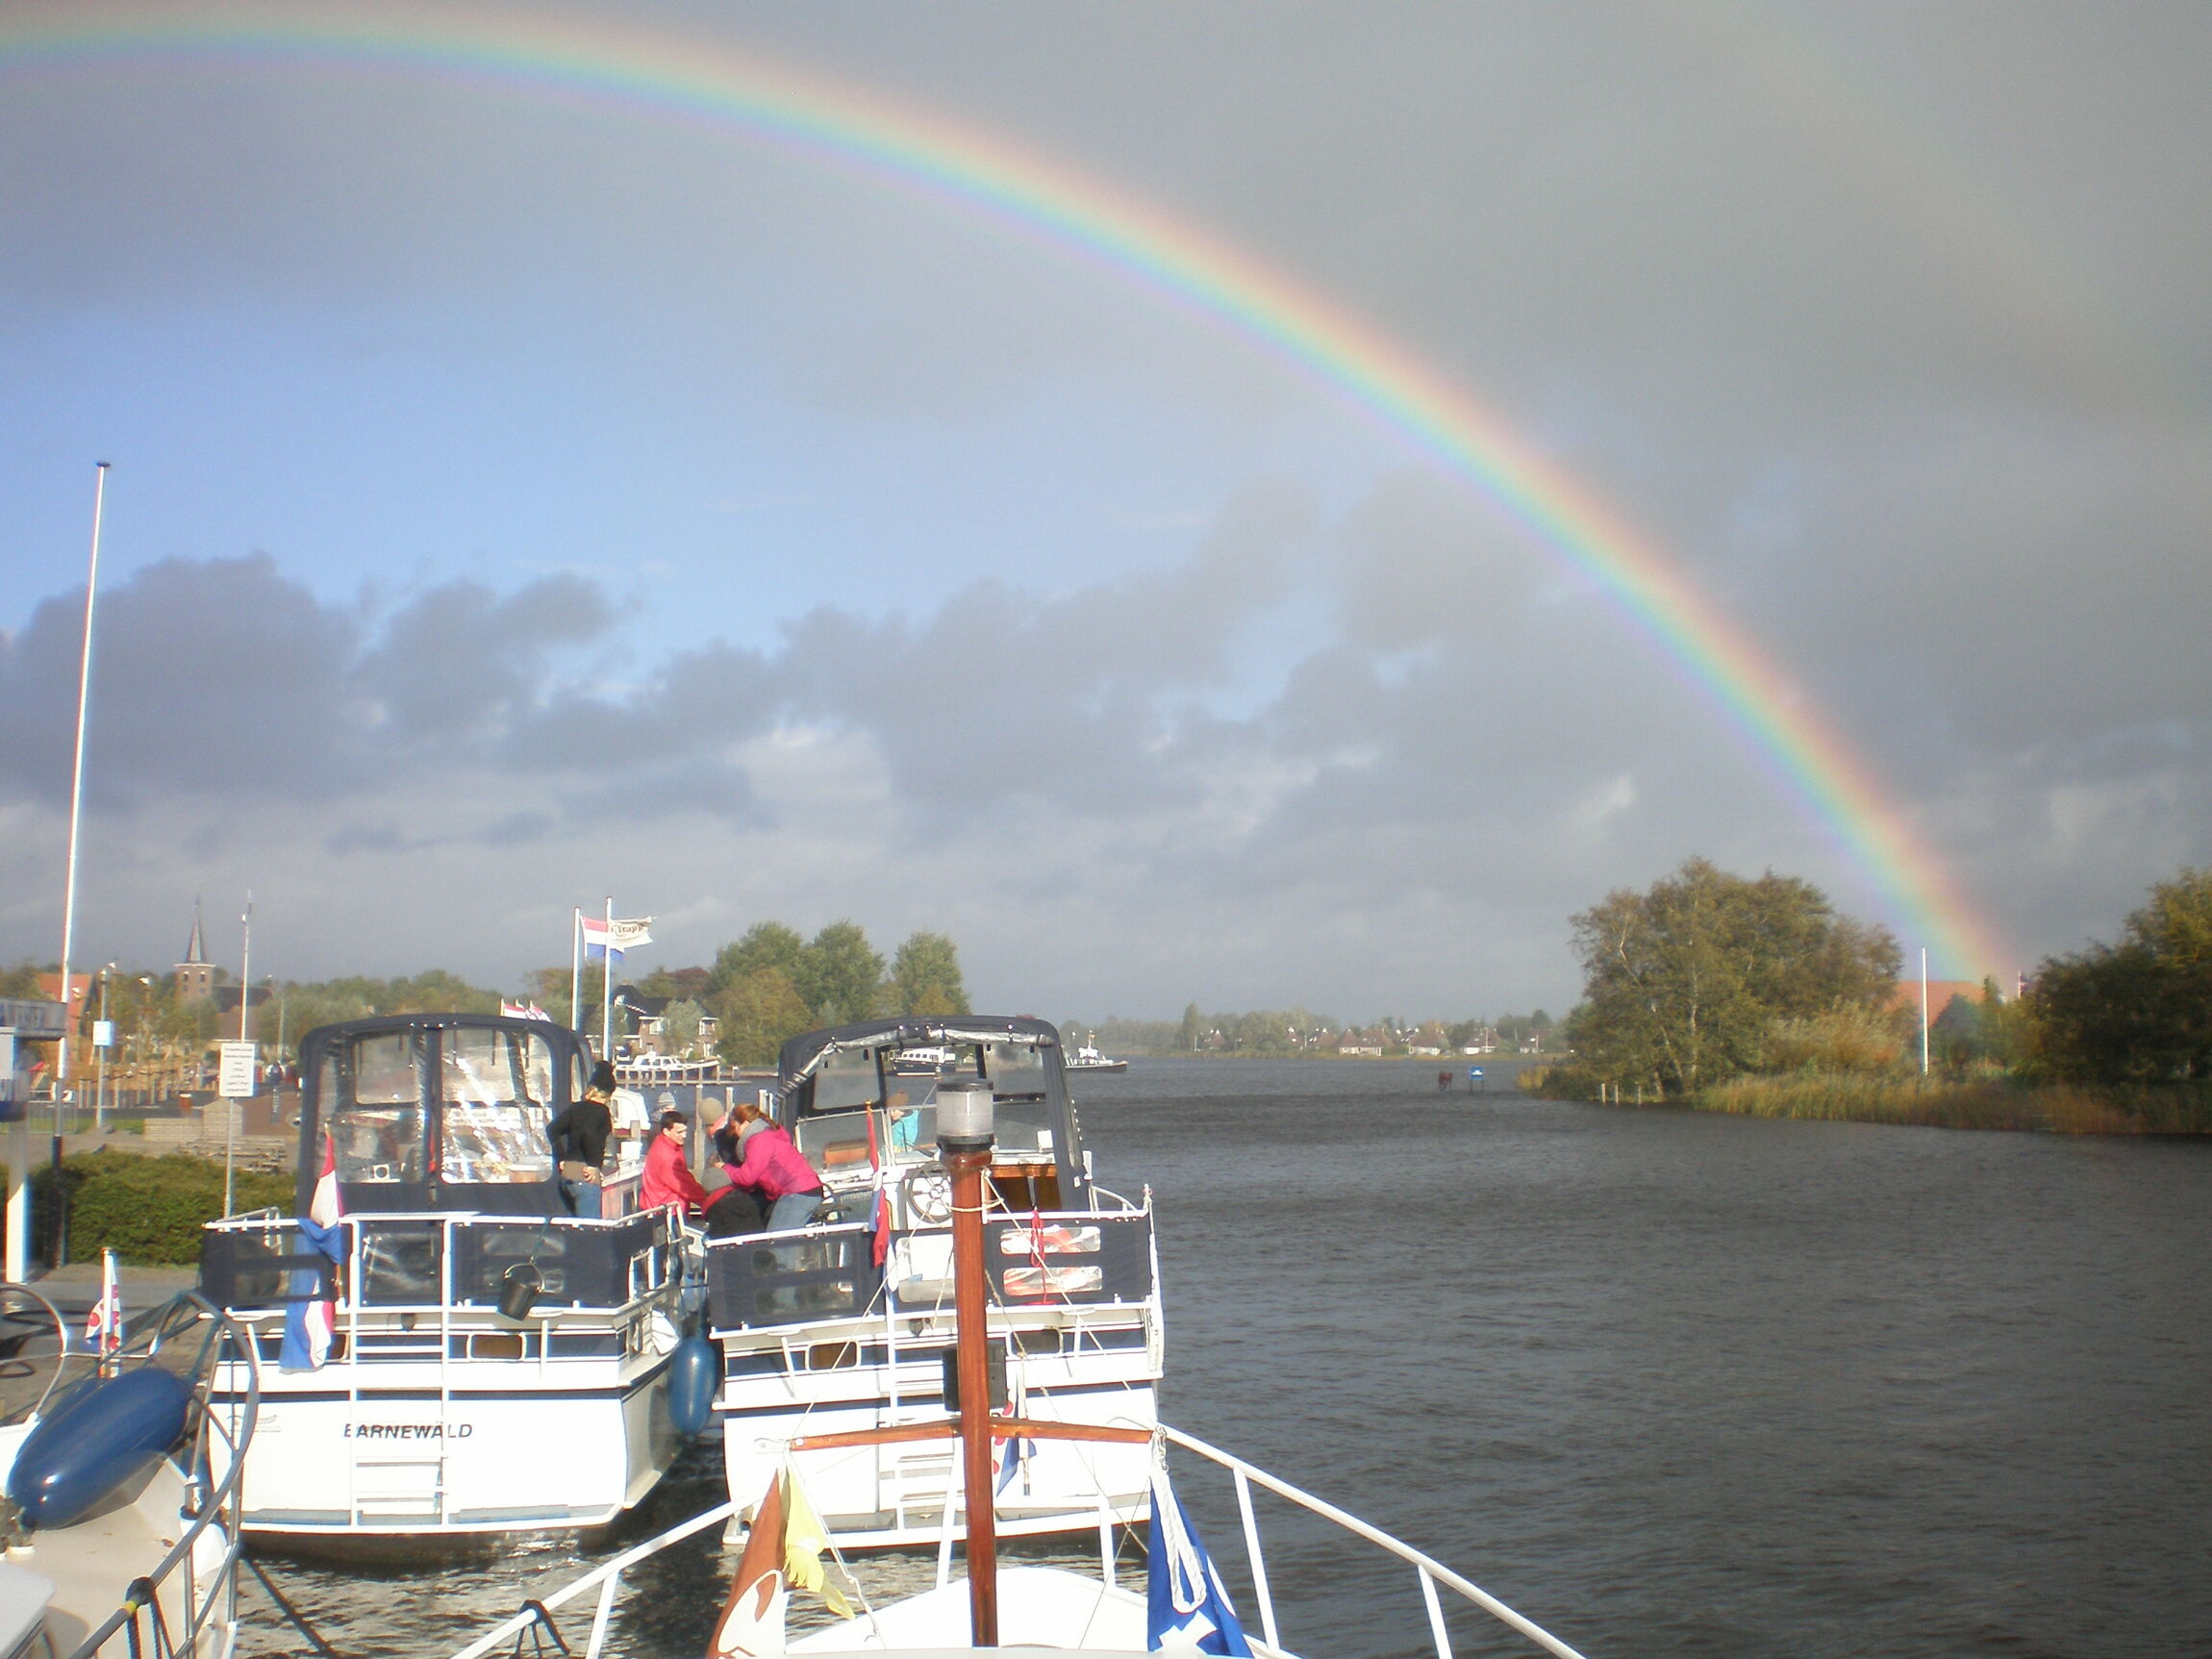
579 1134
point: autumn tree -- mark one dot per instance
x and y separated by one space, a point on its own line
925 977
1685 983
758 1011
2136 1012
765 945
839 974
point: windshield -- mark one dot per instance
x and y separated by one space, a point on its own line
372 1094
495 1090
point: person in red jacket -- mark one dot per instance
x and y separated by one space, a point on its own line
668 1177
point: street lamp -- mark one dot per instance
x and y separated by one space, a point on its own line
103 1040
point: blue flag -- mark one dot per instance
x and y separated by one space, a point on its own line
1185 1605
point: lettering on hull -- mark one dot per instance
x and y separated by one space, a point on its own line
409 1430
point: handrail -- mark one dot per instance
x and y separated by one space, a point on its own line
532 1611
1432 1571
214 1505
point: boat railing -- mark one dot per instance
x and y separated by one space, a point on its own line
1432 1577
1059 1258
425 1263
537 1614
1428 1570
204 1560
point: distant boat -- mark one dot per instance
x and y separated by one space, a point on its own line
1087 1058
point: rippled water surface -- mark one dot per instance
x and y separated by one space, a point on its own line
1668 1383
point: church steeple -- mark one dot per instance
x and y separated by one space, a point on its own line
195 975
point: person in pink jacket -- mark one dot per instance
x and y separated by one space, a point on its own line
770 1166
668 1177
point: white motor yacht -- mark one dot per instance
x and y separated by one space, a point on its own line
848 1324
452 1341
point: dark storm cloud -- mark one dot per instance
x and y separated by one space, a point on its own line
208 677
461 659
225 679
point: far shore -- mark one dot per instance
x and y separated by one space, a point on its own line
1963 1103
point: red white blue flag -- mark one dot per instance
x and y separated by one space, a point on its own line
604 937
310 1318
104 1325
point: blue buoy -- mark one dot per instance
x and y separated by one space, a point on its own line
99 1438
694 1376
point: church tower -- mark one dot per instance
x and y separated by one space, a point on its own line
195 975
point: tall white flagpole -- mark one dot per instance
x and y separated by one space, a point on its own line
76 816
1924 1011
575 968
607 987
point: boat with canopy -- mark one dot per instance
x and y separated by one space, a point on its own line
848 1324
452 1340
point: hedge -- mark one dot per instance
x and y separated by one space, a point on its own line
149 1211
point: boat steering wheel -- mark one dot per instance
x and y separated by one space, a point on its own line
929 1196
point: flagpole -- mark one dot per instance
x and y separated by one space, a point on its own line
607 988
575 967
69 882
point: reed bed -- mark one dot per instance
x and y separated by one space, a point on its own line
1973 1103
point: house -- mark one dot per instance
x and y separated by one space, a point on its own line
650 1015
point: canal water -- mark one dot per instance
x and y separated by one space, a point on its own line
1668 1383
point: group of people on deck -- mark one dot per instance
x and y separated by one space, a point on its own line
769 1177
772 1186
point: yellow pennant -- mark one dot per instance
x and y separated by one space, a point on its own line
805 1538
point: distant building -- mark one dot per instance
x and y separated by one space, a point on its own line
195 975
650 1015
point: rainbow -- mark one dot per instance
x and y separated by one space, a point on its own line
637 76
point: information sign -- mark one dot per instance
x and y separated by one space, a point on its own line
103 1034
1474 1072
240 1066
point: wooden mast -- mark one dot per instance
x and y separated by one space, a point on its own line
964 1140
972 1352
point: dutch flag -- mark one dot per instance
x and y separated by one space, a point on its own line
310 1320
104 1325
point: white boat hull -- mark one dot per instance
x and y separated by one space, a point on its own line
338 1455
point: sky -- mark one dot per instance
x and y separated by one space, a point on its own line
522 496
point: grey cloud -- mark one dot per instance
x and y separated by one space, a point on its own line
460 658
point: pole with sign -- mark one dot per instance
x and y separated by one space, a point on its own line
240 1062
1475 1080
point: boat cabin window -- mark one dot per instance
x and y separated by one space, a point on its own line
496 1092
372 1096
833 1126
1016 1074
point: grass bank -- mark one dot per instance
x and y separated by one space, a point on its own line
2050 1108
1941 1103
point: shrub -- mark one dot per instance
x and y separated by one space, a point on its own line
149 1211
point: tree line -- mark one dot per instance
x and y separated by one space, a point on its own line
1706 976
1265 1031
772 983
769 984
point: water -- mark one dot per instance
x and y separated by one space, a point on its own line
1670 1384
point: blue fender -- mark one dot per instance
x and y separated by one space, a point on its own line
100 1437
694 1374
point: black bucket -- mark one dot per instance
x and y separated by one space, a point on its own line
518 1289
